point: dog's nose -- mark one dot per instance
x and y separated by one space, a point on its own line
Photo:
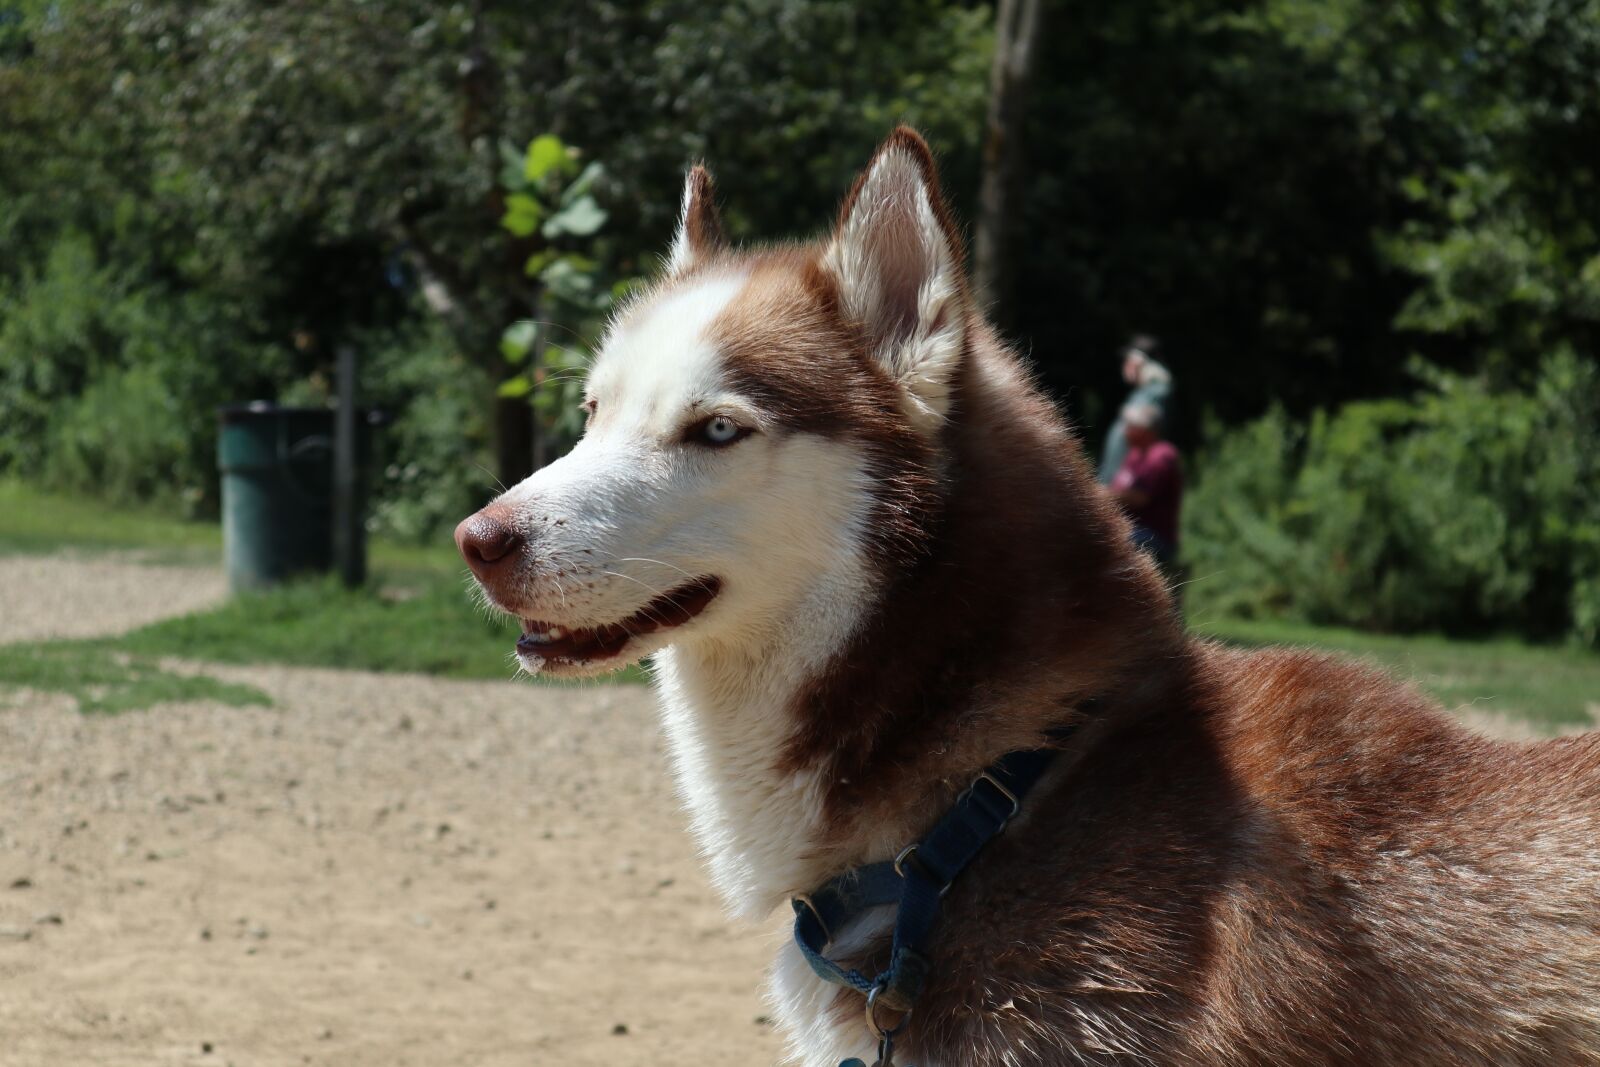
487 542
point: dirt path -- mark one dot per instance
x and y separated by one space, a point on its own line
94 596
383 870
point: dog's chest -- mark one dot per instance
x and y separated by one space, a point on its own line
757 828
755 823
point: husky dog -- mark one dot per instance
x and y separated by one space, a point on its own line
869 559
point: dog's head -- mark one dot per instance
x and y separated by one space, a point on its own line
763 441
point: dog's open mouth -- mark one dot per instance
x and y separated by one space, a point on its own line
557 644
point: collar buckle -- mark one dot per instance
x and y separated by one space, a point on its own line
1005 794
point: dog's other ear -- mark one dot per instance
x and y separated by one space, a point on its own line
699 235
897 260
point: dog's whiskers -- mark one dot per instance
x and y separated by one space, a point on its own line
657 562
651 615
494 479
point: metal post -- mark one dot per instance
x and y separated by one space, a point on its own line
347 541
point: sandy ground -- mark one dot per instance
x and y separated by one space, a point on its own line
94 596
378 870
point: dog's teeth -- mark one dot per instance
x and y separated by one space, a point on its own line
555 633
539 638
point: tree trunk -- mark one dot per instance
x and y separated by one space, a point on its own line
514 435
1000 195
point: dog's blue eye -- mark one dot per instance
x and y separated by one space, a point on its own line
719 430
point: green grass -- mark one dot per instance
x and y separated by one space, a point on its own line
1551 686
32 522
415 614
107 682
422 620
404 621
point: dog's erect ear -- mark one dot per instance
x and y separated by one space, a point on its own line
897 260
699 234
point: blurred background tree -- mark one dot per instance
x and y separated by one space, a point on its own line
1320 206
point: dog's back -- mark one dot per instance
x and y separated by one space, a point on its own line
1303 862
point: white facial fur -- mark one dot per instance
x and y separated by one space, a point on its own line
779 517
635 510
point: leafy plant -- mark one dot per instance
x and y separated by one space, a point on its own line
550 197
1464 508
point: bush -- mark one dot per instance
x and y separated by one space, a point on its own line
435 453
123 440
109 382
54 331
1461 509
109 385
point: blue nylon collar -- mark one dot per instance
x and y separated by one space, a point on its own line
917 880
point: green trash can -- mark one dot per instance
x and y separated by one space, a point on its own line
277 491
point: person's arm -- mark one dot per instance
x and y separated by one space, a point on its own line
1132 496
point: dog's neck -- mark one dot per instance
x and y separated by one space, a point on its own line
836 740
729 714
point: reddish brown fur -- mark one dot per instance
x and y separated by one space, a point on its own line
1263 858
905 139
702 224
785 347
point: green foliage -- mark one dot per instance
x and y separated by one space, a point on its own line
434 454
54 329
552 351
122 439
1464 508
202 202
107 381
1298 194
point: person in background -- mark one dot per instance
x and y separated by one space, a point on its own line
1152 384
1149 484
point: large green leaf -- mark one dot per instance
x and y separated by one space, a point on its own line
517 341
512 388
540 260
523 214
511 164
581 218
581 185
546 153
565 280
